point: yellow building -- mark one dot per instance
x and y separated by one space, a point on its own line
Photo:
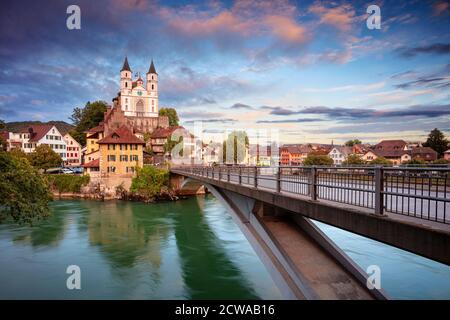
92 148
120 152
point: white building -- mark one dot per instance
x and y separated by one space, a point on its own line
136 98
35 135
73 151
340 154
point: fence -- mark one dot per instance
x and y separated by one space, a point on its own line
417 192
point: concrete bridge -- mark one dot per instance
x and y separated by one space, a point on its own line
404 207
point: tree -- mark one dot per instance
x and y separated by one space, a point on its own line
86 118
149 181
351 143
353 159
238 140
436 141
24 194
43 157
171 113
2 141
317 160
2 125
381 161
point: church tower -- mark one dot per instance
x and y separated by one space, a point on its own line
125 76
152 88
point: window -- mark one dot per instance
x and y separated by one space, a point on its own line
153 87
126 84
130 169
111 157
134 158
111 169
124 157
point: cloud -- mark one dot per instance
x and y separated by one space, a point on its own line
440 8
241 106
224 120
291 120
436 48
437 82
340 17
200 114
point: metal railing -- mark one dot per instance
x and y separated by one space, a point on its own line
417 192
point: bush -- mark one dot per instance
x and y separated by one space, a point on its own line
67 182
441 161
148 182
317 160
381 161
415 161
353 159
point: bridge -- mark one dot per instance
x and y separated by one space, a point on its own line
407 208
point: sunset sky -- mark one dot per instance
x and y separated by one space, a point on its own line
311 69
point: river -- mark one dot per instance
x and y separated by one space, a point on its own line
188 249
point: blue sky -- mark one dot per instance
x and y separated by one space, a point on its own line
311 69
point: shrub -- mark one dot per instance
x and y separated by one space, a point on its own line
148 182
353 159
67 182
317 160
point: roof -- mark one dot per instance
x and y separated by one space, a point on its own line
38 131
93 164
99 128
164 132
390 144
296 149
121 135
152 68
4 135
126 66
390 153
424 152
343 150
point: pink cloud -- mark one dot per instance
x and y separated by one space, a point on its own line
440 7
340 17
286 29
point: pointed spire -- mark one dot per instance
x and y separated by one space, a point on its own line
126 66
152 68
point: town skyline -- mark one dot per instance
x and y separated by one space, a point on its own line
311 70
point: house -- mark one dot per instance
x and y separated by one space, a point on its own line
340 153
395 156
211 153
160 137
38 134
93 135
424 153
73 153
293 155
447 155
386 145
120 153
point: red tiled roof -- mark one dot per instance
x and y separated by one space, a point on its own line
425 153
38 131
164 132
93 164
96 129
121 135
390 153
390 145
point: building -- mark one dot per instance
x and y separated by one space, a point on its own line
38 134
396 156
293 155
211 153
121 152
340 153
139 101
260 155
92 151
387 145
73 151
424 153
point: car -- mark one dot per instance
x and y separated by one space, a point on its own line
66 171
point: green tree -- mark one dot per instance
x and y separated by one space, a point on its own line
317 160
43 157
2 141
172 114
238 140
149 181
353 159
437 141
381 161
24 194
87 118
67 182
351 143
2 124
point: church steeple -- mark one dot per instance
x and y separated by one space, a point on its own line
152 68
126 66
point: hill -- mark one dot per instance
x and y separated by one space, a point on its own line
16 126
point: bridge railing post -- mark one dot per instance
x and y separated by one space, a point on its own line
220 173
240 175
256 177
313 183
228 174
279 179
379 196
